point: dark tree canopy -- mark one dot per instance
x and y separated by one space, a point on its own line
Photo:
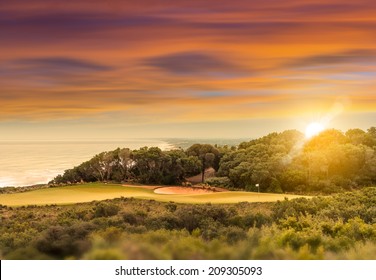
207 154
332 161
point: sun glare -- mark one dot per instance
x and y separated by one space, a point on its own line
313 129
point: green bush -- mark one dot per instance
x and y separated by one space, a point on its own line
318 228
105 209
223 182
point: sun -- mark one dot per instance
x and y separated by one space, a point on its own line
313 129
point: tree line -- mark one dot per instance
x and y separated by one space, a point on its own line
145 165
332 161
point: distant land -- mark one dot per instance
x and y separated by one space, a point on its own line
185 143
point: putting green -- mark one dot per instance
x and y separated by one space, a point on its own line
100 191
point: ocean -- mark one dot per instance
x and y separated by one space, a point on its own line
30 163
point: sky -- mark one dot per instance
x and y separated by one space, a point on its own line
115 69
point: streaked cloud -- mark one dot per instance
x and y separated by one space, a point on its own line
60 64
189 63
154 61
349 56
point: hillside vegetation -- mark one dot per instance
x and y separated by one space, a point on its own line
284 162
342 226
223 225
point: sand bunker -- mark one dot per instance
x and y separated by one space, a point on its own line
181 190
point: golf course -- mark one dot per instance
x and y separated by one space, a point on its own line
100 191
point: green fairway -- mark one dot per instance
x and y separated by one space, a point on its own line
98 191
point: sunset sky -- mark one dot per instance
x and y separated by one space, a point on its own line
190 68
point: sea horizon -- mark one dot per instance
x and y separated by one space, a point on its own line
34 162
27 163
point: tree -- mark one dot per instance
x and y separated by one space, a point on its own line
149 164
356 136
102 165
371 132
125 162
191 165
206 153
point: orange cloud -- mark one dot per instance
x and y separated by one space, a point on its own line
195 60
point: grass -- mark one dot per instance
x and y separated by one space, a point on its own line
99 191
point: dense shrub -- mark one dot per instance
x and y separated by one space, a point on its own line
64 242
104 209
321 227
223 182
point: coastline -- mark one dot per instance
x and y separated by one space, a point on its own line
30 163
